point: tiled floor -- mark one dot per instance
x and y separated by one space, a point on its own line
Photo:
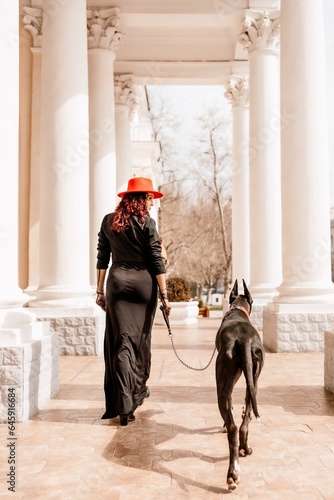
175 449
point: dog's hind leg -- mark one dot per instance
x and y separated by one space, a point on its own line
225 408
244 449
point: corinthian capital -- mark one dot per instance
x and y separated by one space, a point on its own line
261 31
33 22
101 26
238 91
125 91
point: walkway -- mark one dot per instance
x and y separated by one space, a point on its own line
175 449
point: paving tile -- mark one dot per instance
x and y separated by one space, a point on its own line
176 448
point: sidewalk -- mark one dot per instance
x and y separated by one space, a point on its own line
175 449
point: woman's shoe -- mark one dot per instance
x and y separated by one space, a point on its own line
124 419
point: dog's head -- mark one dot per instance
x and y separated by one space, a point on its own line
241 300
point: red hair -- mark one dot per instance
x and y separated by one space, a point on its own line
131 204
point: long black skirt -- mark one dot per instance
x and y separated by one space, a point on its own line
131 304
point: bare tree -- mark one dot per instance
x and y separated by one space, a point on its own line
214 172
195 212
172 177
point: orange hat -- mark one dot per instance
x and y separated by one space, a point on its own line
140 185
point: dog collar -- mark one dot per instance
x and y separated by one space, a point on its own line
241 309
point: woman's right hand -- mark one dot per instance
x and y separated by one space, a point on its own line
101 301
166 305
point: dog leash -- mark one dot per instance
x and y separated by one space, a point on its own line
173 346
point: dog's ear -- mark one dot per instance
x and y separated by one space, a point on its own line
234 292
247 294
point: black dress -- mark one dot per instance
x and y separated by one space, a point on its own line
131 295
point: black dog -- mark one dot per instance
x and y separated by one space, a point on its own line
240 350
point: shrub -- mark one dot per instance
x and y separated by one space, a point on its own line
178 289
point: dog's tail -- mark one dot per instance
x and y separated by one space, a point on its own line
247 366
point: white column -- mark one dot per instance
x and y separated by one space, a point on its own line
34 208
125 102
303 311
103 40
64 200
260 37
305 169
237 93
10 293
145 152
33 23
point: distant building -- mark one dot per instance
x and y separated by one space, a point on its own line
216 299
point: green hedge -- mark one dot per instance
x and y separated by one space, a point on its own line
178 289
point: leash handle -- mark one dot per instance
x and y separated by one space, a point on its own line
166 319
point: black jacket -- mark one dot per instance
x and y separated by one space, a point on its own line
138 245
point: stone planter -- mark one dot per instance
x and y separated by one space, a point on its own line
183 313
204 311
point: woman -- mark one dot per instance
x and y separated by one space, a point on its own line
129 235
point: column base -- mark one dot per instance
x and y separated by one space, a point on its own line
13 299
263 293
297 327
61 297
308 293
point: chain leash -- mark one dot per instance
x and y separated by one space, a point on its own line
173 346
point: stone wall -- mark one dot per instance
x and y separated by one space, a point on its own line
256 317
79 335
296 332
80 330
30 372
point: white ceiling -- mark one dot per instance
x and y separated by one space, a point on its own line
180 41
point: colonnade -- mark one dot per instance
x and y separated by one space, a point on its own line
289 259
294 187
84 126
